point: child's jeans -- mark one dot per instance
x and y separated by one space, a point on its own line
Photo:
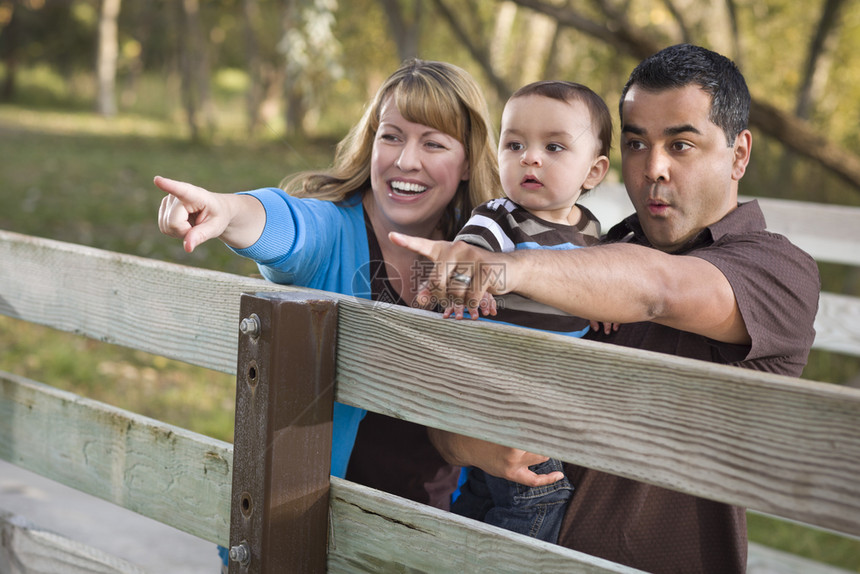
533 511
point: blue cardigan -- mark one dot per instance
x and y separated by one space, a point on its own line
322 245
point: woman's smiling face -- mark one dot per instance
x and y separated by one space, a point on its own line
415 171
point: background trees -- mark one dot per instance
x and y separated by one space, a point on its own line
303 63
305 66
302 69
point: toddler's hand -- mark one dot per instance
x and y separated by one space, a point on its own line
487 306
606 328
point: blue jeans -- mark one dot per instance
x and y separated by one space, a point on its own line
533 511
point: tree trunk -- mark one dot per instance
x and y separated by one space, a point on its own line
551 66
251 17
194 70
405 28
480 53
815 75
294 110
108 52
542 31
737 47
503 26
9 45
143 17
186 70
819 60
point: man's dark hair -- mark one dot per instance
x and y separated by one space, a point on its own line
684 64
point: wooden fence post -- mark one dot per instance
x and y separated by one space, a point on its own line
282 444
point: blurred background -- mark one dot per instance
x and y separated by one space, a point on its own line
98 96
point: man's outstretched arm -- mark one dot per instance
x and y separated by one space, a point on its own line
619 283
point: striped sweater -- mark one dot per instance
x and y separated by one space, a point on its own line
501 225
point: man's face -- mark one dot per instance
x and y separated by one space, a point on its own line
680 173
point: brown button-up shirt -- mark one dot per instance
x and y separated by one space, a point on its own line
658 530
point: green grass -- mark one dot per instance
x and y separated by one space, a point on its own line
171 391
80 178
68 174
807 542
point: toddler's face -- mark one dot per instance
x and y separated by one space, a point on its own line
547 153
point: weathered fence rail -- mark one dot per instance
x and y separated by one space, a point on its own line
777 445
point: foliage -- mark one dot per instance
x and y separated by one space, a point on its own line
312 47
770 42
57 32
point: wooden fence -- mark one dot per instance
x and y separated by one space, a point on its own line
776 445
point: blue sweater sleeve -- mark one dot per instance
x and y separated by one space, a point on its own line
322 245
312 243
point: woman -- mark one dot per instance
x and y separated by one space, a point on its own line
419 160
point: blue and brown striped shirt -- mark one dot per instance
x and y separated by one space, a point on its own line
501 225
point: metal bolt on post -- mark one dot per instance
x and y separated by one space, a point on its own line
241 554
251 326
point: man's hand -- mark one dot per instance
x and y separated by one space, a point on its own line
463 275
502 461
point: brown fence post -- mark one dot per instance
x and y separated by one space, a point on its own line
282 443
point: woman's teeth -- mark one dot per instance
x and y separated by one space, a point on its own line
404 187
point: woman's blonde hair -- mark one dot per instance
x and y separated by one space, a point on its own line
436 94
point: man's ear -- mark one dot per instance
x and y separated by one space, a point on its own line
742 150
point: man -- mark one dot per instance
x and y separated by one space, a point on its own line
691 273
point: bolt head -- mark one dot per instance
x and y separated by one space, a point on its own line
250 326
240 554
